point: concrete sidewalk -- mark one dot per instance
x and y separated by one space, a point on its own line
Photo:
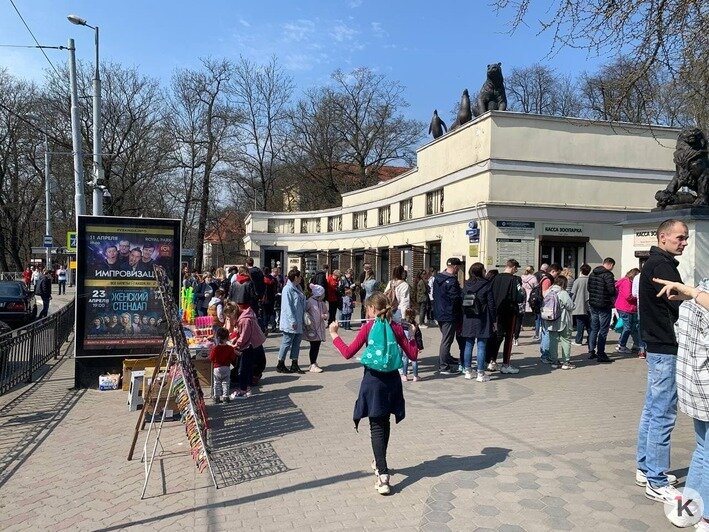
536 451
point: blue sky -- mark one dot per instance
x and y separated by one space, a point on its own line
435 49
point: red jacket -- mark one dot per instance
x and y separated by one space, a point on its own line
222 355
332 288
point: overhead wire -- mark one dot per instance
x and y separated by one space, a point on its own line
35 38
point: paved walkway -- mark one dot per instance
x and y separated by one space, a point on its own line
534 451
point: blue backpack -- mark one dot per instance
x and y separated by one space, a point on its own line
382 352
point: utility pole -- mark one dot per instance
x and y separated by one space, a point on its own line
98 163
47 198
79 205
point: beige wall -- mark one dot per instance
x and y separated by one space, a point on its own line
523 137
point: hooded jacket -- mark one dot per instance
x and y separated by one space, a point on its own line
658 315
447 297
601 289
250 334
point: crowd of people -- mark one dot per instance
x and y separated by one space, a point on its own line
483 315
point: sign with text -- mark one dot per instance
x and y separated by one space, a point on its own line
562 229
514 229
645 238
48 243
71 241
118 310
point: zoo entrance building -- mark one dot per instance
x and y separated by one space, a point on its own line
505 185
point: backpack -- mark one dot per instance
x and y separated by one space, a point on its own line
382 352
551 309
536 299
391 297
473 306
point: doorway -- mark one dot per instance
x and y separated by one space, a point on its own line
273 258
566 254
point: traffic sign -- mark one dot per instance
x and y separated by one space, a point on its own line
71 241
48 241
472 232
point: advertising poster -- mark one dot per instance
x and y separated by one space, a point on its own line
119 312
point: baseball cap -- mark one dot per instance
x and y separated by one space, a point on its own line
454 261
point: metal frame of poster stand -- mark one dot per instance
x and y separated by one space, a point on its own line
179 367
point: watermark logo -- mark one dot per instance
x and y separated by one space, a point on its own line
686 509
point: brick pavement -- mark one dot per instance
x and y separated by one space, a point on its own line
534 451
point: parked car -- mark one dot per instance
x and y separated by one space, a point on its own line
17 304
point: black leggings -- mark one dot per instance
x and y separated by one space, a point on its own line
314 351
380 427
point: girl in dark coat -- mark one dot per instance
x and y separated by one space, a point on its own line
478 319
380 393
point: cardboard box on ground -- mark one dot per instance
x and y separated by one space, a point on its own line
202 365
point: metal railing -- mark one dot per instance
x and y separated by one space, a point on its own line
25 350
11 276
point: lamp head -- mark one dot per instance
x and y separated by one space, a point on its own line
74 19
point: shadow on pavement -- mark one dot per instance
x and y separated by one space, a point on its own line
240 432
29 418
445 464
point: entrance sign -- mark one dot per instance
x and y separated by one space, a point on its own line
645 238
562 229
118 310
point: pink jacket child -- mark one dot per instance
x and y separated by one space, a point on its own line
250 344
625 301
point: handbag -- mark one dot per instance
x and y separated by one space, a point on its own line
382 352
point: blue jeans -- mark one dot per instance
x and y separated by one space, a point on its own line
657 419
600 322
405 368
537 324
582 324
468 353
698 476
290 342
630 328
544 341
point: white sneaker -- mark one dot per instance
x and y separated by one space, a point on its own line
577 344
423 326
468 374
482 377
622 349
664 494
314 368
515 342
492 366
641 479
509 368
382 485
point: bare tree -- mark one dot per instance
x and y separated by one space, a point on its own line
671 34
201 123
370 123
262 95
318 149
21 182
538 89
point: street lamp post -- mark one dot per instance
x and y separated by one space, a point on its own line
98 181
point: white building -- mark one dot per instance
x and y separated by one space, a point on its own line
506 185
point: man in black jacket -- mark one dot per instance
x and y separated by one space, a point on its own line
448 300
44 291
508 294
601 299
657 319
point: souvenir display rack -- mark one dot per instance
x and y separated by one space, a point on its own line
183 384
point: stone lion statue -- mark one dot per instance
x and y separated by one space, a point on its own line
492 95
691 172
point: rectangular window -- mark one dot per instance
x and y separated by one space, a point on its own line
434 201
359 220
406 209
281 226
334 223
384 215
310 225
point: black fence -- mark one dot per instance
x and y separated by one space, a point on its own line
25 350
